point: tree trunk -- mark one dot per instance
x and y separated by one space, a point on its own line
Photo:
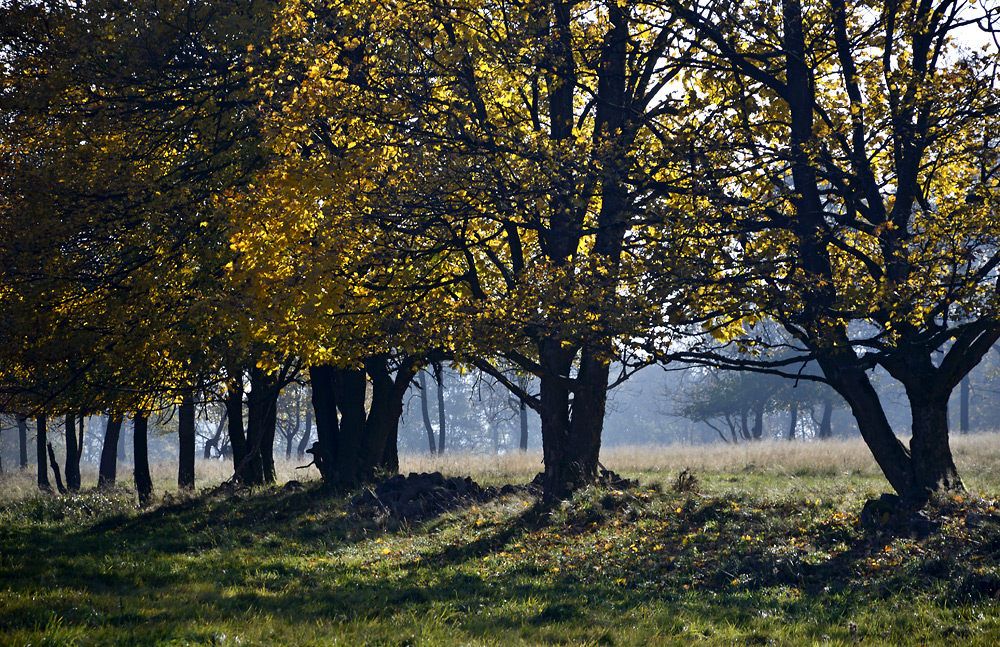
825 426
41 457
79 442
425 412
382 427
261 419
794 414
186 438
439 378
352 464
523 409
237 436
933 466
290 437
122 450
964 406
55 471
109 453
554 403
214 441
269 474
306 433
140 459
758 424
853 385
352 448
22 441
72 455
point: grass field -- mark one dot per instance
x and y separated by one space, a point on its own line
763 548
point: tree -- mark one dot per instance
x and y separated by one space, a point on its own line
143 481
841 163
186 437
425 412
490 147
109 453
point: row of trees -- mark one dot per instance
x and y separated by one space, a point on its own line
213 199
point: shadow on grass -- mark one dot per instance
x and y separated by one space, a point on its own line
213 559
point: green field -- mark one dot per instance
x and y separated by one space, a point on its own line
764 548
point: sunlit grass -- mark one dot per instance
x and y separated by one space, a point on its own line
763 549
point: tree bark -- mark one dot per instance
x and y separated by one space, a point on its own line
186 441
324 401
758 424
825 426
291 436
237 436
352 462
108 469
72 455
350 449
933 466
382 427
853 385
439 379
554 405
122 449
41 457
794 415
269 474
425 412
964 405
55 471
214 441
22 441
140 455
523 411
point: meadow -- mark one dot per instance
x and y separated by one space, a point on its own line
756 544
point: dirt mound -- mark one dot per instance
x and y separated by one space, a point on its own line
426 494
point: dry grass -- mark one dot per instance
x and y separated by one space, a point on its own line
977 456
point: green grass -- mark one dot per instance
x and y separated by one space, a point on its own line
769 555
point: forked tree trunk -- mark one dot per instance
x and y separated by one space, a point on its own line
382 428
140 455
853 385
41 457
262 410
352 448
213 442
186 438
109 453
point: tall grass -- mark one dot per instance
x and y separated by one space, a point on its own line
977 457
